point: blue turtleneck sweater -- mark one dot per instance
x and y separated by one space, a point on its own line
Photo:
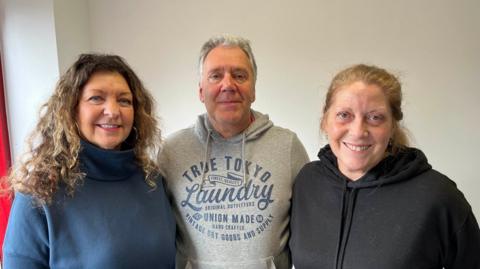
114 220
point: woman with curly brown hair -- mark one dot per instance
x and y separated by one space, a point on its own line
87 193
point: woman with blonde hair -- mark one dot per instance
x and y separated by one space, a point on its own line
371 201
87 193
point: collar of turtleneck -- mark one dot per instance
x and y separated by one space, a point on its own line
106 165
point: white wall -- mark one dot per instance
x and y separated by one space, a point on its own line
299 46
72 30
40 39
30 64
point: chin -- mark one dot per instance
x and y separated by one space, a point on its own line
229 119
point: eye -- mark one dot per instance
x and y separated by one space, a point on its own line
215 77
240 76
125 102
343 116
96 99
375 118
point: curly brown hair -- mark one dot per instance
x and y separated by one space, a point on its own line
388 83
53 147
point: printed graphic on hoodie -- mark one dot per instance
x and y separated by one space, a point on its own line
216 204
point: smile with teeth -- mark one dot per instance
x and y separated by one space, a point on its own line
109 126
356 148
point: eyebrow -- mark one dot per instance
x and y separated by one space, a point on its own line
240 69
123 91
378 109
126 93
233 69
217 69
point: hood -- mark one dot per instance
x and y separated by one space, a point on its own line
207 135
404 165
203 128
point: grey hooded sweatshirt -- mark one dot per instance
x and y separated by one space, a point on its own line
231 197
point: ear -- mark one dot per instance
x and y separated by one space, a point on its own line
394 130
253 94
322 128
201 95
323 123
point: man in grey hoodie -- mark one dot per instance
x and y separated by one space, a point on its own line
230 175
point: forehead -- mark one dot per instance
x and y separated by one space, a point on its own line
106 80
361 95
226 57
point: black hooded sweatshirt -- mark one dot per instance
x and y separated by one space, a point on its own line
402 214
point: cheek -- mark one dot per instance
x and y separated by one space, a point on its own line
208 93
82 118
84 128
334 131
252 95
247 90
382 136
129 115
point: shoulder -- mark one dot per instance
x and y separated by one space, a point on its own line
182 138
284 141
438 184
309 174
278 130
180 135
441 193
282 135
24 202
178 147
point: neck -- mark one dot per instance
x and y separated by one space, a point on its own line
231 130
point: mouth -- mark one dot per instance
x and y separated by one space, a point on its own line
109 126
229 104
229 101
357 148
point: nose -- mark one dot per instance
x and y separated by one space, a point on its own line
228 83
359 128
111 109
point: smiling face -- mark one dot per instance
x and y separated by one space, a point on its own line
359 125
105 110
227 89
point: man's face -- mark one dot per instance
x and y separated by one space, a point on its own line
227 88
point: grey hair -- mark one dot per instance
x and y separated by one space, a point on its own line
226 40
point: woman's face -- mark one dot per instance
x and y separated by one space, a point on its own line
105 110
359 125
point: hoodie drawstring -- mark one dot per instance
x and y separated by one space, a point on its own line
243 161
348 204
339 239
207 154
